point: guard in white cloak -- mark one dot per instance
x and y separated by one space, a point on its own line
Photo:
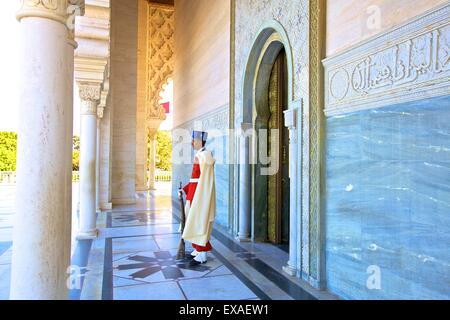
200 200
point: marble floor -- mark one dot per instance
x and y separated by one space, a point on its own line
7 208
7 199
134 258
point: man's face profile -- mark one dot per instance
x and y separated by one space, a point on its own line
197 144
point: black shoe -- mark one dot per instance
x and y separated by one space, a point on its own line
194 263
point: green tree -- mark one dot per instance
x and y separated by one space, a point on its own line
164 150
76 160
76 143
8 151
76 153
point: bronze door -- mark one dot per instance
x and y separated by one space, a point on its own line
278 184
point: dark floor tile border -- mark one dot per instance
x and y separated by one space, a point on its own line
109 220
107 286
118 211
292 289
80 258
253 287
181 289
141 235
230 244
143 225
284 247
256 290
284 284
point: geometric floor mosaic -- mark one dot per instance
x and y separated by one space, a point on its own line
134 258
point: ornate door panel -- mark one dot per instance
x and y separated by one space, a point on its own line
278 184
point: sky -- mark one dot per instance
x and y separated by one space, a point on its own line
9 66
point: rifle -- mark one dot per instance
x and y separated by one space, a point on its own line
181 254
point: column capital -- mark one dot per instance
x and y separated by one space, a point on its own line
90 94
152 132
90 91
58 10
153 125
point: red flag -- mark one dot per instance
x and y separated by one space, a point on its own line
166 106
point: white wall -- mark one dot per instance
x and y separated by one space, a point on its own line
202 57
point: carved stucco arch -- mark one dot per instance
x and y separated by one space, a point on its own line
271 38
160 56
160 89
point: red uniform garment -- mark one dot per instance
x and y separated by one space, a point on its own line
189 189
206 248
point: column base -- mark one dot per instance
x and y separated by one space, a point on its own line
243 239
142 189
106 206
316 284
89 235
289 270
124 201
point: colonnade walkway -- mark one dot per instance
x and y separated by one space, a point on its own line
134 258
7 199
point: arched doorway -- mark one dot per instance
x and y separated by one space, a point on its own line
271 187
268 203
267 94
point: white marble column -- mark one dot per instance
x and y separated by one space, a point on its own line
152 156
290 119
245 188
40 253
69 157
90 98
71 46
105 159
98 160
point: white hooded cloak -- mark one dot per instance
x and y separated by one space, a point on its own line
202 211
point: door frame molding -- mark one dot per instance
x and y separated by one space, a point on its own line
271 38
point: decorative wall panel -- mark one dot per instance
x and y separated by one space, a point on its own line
388 202
293 15
409 63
